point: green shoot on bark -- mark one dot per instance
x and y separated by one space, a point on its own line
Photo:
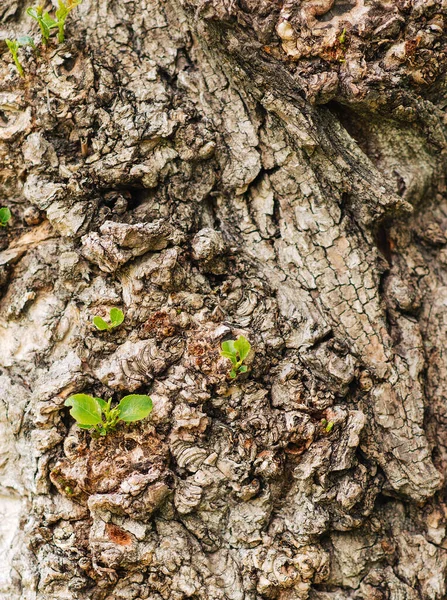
62 13
116 318
46 23
98 416
328 425
14 45
236 351
5 215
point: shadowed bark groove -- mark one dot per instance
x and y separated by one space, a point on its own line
215 168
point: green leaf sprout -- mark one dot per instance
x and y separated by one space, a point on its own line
98 416
328 425
5 215
116 318
14 45
236 351
46 23
62 13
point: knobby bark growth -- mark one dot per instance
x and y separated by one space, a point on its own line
215 168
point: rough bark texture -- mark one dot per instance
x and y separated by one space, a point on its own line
217 167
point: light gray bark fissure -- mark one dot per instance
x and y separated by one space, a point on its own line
216 168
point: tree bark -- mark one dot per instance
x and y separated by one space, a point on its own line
215 168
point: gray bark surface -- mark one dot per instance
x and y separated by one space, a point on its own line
215 168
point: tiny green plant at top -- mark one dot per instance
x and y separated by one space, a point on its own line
46 23
236 351
62 13
342 37
14 45
5 215
98 416
116 318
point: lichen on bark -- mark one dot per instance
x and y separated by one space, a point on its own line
217 168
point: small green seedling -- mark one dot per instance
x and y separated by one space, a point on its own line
342 37
116 318
26 40
97 415
328 425
14 45
237 351
62 13
5 215
46 23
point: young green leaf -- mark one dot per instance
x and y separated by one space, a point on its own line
61 15
102 403
236 351
34 12
116 317
228 347
46 23
232 357
242 345
49 22
100 324
134 408
85 409
228 351
5 213
13 46
26 40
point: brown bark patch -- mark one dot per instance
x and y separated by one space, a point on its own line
118 535
160 326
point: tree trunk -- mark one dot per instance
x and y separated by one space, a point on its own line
216 168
